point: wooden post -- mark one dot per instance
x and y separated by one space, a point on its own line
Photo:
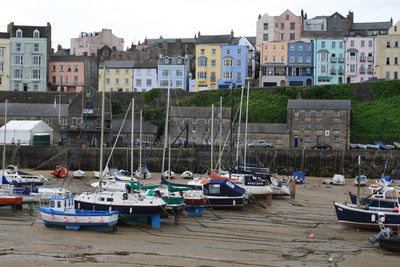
292 189
269 200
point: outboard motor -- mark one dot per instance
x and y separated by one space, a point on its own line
387 232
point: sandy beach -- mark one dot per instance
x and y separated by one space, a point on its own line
277 235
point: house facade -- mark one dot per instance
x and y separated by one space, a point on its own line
388 54
29 51
314 122
118 76
300 63
329 61
288 27
4 61
316 24
145 75
265 29
360 59
89 42
175 70
273 63
275 133
252 56
233 66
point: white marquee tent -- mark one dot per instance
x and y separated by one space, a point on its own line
22 132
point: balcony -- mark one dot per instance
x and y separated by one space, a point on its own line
363 58
370 71
333 59
341 60
362 70
371 59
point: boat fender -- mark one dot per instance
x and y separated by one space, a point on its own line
387 232
205 191
125 196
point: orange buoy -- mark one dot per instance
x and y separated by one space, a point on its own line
312 236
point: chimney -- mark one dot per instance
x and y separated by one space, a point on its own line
232 33
259 16
59 47
302 13
198 34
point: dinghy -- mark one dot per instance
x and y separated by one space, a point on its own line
79 174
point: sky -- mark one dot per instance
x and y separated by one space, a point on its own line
134 20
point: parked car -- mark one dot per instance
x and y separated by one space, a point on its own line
260 143
321 146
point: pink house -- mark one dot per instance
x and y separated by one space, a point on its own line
71 72
360 59
89 42
288 27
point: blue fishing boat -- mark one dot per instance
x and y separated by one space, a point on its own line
299 177
61 212
224 193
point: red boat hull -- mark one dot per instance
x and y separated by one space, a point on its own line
10 200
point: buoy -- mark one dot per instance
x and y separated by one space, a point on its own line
101 219
312 236
396 209
65 220
53 217
75 220
89 220
330 259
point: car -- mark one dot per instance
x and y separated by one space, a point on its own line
321 146
259 143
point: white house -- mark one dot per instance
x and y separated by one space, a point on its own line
145 75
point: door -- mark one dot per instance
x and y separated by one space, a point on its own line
309 82
25 87
296 141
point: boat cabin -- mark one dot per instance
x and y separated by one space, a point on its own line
62 203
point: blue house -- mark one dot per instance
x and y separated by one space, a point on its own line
233 66
329 61
300 63
176 70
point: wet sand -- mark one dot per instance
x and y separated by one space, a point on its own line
275 236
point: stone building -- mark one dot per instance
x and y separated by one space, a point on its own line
194 124
275 133
319 121
89 42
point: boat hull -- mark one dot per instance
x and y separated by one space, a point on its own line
10 201
122 209
365 219
225 202
390 243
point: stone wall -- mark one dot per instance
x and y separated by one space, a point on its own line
313 162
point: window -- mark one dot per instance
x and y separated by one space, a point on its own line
228 62
282 58
2 52
36 47
307 126
291 48
282 26
164 83
116 80
213 77
388 61
138 82
273 58
308 47
148 71
18 60
318 114
179 60
19 33
67 80
265 26
239 63
300 48
108 81
75 80
300 59
323 44
370 43
213 62
336 139
36 34
395 29
61 67
307 114
273 47
213 51
228 75
265 59
297 114
148 82
36 60
53 68
395 75
239 51
202 75
165 73
1 66
194 121
292 25
396 44
116 71
291 59
388 44
179 84
228 51
194 130
318 126
17 73
239 76
396 61
287 17
202 62
308 59
352 43
340 44
282 36
179 73
336 126
36 74
18 47
76 68
307 138
108 71
16 86
265 37
362 43
292 36
167 60
296 126
336 114
126 70
202 51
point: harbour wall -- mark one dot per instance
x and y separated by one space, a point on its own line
321 163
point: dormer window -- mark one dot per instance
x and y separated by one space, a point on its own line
19 33
167 60
179 60
36 34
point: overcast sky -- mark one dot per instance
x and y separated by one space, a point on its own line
134 20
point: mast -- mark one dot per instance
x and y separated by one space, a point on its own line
4 138
102 126
166 130
140 150
132 135
212 137
220 133
247 121
358 182
238 134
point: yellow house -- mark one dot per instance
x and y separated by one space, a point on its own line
4 61
388 54
208 60
118 76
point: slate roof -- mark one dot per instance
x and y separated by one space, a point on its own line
174 60
146 64
352 50
252 39
34 110
147 128
170 40
214 39
198 112
265 128
27 31
66 58
317 104
4 35
320 17
385 25
117 64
